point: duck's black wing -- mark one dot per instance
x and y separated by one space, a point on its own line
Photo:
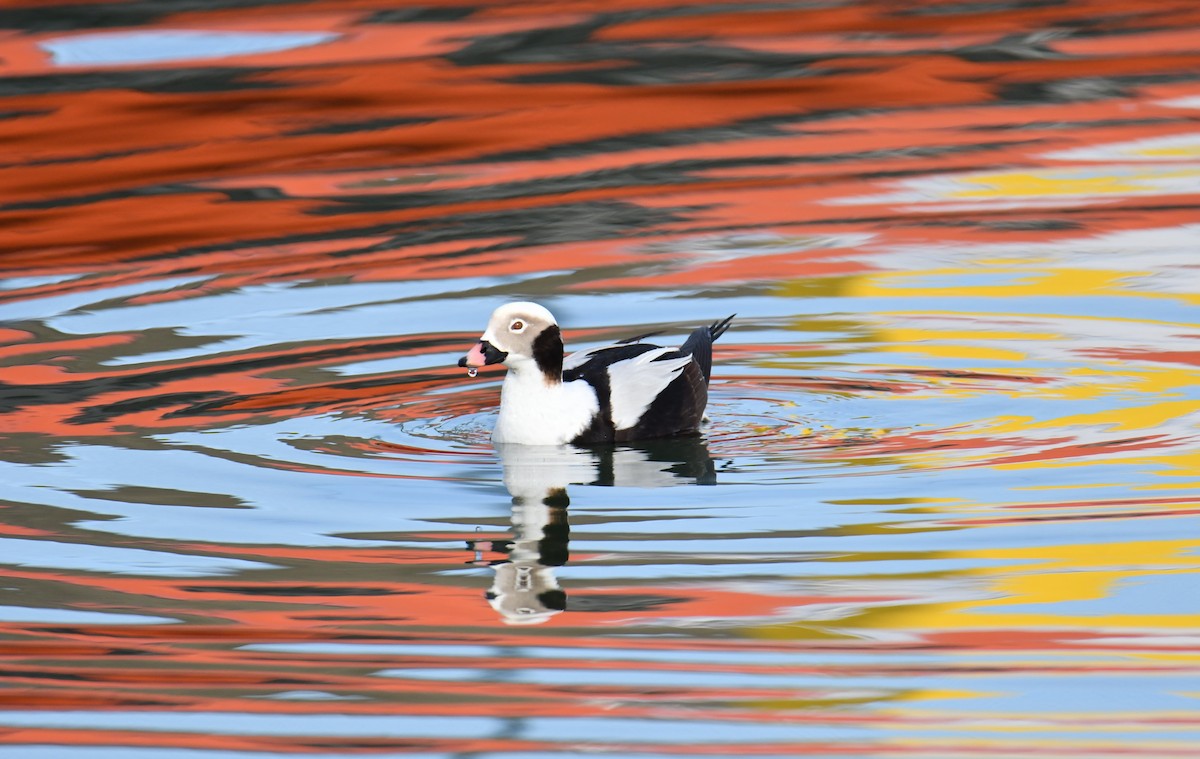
642 397
591 366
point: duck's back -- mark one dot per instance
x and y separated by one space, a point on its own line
644 391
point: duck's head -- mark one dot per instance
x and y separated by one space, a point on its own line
520 336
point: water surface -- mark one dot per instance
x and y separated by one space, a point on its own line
947 503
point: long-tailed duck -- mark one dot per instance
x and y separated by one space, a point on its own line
627 391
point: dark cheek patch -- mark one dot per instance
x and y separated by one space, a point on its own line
548 352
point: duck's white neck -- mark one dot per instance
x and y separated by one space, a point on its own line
530 371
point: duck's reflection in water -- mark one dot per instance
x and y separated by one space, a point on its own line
525 589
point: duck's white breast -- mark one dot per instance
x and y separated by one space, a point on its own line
535 413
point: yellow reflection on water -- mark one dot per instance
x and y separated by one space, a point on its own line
1015 282
1085 419
1053 577
1075 182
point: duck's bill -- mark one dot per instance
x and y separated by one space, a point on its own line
482 354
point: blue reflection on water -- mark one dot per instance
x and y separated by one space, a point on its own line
164 45
131 561
39 615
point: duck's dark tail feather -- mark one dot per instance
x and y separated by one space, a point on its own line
699 344
718 328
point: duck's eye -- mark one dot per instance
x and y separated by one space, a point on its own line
517 326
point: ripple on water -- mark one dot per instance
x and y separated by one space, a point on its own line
946 503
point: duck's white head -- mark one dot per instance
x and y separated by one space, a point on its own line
520 335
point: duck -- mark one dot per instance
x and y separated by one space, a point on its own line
630 390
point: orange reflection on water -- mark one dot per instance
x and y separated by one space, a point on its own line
250 506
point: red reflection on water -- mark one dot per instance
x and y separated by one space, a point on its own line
415 152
